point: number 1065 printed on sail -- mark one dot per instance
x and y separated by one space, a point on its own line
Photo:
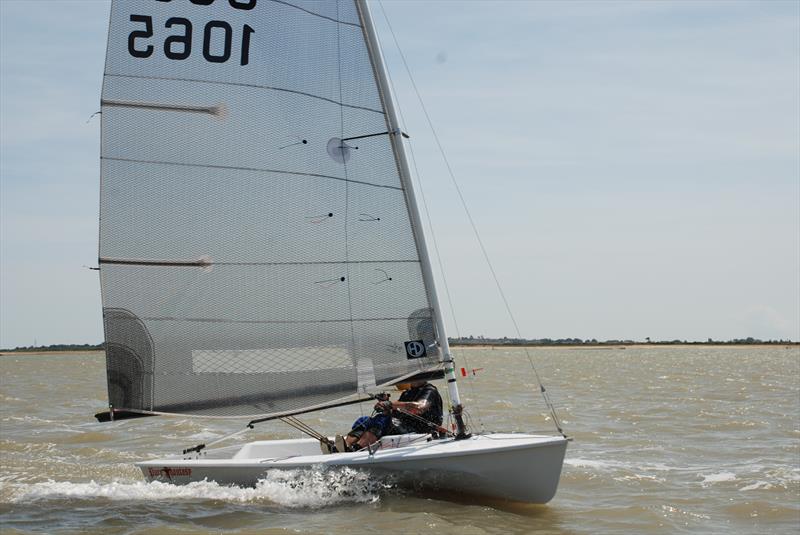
216 38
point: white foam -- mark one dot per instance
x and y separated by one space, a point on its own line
308 488
758 485
316 488
596 464
591 463
719 477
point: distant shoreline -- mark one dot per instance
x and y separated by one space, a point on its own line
621 346
55 352
575 347
624 346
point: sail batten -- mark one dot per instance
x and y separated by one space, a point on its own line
208 263
234 168
224 320
258 254
198 81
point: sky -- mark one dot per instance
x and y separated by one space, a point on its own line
633 168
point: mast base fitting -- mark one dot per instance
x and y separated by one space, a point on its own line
461 428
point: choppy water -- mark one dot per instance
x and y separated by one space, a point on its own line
667 440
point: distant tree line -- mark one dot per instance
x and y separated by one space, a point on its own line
55 347
506 341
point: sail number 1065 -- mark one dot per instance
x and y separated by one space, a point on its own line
217 40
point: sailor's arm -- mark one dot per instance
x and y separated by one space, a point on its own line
414 407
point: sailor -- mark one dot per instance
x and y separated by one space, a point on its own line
418 410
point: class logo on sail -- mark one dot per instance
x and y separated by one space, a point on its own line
415 349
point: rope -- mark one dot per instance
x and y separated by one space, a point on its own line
438 428
377 444
305 428
290 420
235 433
450 172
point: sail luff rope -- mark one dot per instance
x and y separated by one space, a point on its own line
418 180
474 227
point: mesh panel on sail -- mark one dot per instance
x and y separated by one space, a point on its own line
252 262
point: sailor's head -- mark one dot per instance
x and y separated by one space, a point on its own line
411 384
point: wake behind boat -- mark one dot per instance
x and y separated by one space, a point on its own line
261 250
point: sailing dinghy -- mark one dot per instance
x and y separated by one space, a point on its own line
261 252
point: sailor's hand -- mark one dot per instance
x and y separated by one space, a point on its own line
384 406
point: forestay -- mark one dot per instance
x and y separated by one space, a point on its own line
254 260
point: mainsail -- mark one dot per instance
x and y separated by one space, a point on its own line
260 251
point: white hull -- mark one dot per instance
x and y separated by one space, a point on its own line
515 467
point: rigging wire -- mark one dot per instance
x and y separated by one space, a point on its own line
450 172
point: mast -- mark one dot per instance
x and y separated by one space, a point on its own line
416 221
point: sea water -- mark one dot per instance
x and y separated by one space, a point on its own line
666 440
